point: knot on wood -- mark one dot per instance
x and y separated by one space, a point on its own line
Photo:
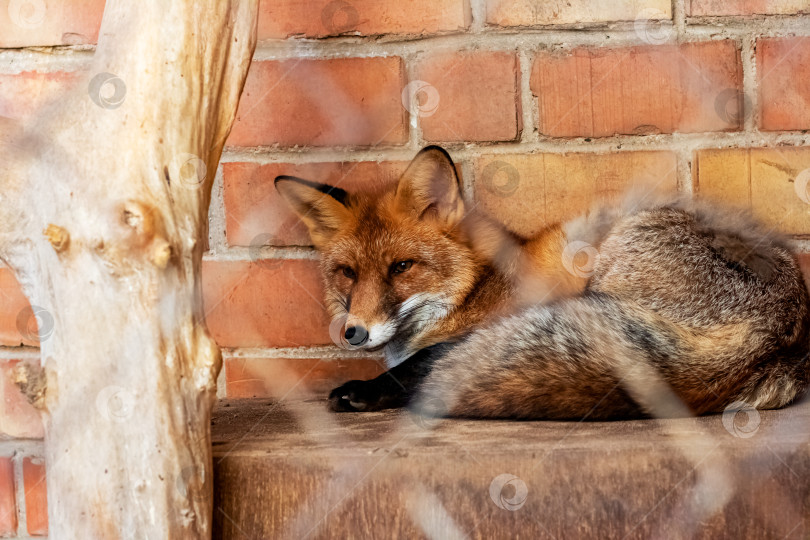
142 222
161 253
31 380
146 232
58 237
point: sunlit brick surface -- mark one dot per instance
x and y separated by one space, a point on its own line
546 108
640 90
340 102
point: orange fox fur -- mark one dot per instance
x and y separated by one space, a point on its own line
492 325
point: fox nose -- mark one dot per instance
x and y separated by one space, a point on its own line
356 335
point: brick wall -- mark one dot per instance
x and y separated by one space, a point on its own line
545 106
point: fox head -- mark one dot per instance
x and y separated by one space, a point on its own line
394 264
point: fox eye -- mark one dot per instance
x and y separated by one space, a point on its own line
349 273
401 266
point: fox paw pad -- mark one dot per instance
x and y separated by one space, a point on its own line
354 396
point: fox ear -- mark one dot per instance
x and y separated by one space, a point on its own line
321 207
429 188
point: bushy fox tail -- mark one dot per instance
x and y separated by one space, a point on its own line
598 357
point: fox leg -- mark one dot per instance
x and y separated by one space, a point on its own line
562 361
392 389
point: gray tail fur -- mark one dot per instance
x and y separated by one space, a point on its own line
598 357
688 311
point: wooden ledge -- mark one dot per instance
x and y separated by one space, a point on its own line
291 469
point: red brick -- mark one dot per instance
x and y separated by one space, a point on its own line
43 23
23 94
13 305
305 377
18 418
590 92
256 214
471 96
528 192
783 68
703 8
773 182
8 503
279 19
279 304
36 496
573 12
337 102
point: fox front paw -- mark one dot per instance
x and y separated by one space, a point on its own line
356 396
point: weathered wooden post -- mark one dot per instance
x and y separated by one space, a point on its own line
103 217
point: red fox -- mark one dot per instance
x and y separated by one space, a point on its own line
679 299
